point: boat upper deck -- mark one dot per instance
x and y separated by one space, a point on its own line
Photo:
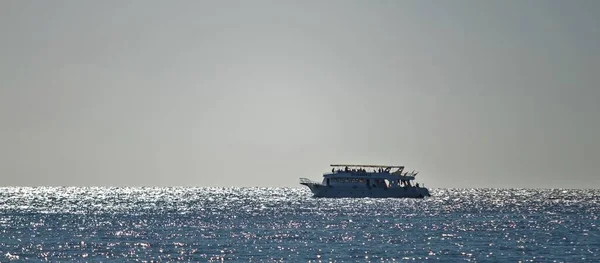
370 171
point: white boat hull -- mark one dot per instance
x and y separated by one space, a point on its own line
320 190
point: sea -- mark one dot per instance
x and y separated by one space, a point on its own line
181 224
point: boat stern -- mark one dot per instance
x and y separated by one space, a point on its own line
423 192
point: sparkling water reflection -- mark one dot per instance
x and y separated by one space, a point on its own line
287 224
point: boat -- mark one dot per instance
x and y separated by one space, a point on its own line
377 181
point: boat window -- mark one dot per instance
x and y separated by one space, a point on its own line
348 180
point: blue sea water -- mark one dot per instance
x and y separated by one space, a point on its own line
287 224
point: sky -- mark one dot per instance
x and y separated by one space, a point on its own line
473 94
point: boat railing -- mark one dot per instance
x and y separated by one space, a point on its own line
308 181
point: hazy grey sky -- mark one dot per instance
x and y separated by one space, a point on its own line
259 93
